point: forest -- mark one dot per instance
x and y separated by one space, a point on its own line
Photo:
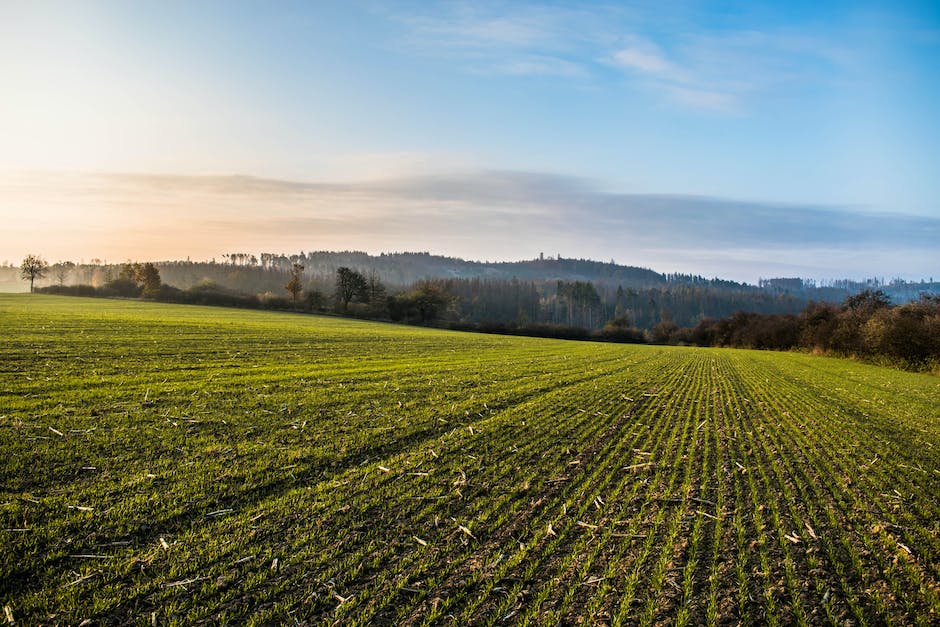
545 290
620 304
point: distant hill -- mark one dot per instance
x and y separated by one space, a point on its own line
402 269
531 290
405 268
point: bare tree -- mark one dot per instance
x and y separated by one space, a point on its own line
375 292
33 267
61 270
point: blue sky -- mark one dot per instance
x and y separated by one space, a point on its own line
790 118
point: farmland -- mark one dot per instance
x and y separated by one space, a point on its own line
181 465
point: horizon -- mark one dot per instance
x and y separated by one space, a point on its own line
733 140
541 256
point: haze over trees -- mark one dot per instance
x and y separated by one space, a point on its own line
486 288
61 271
135 279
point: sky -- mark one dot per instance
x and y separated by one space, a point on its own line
731 139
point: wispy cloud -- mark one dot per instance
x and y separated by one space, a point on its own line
474 214
503 40
682 85
702 98
645 57
727 71
535 65
468 28
688 65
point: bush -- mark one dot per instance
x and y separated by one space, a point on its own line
314 300
620 330
127 288
271 302
665 332
69 290
910 332
208 293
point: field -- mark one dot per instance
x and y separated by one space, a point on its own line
182 465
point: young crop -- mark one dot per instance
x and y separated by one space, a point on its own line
176 465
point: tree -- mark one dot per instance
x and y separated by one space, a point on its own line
664 332
149 277
910 332
313 300
818 322
856 311
426 303
61 270
350 285
33 267
867 302
431 301
375 293
136 279
294 286
581 298
128 272
375 289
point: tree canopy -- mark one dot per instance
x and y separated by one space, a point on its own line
350 285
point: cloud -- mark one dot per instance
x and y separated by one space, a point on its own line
680 85
540 66
644 57
733 70
676 59
514 40
493 214
702 99
473 30
499 26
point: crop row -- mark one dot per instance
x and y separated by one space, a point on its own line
186 465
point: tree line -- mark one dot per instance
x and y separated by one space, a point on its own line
866 324
507 292
480 300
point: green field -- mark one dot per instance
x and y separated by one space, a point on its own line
180 465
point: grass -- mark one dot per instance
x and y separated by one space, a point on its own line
178 465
